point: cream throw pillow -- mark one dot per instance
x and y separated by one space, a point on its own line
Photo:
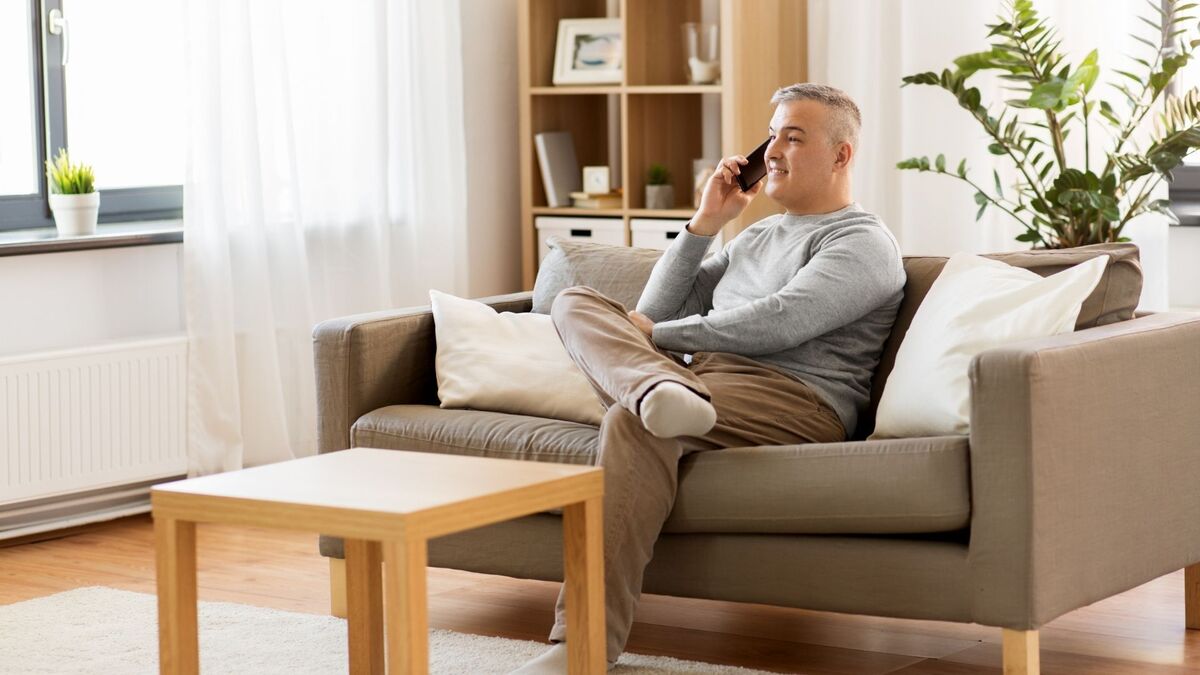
506 362
974 305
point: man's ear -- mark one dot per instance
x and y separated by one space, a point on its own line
845 152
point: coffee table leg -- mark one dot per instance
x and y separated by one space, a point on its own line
583 560
175 560
364 606
404 601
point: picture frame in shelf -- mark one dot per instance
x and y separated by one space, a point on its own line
588 51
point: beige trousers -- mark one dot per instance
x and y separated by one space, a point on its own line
755 404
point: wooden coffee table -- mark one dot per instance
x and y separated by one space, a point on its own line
387 504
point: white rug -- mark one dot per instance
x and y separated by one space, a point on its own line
104 630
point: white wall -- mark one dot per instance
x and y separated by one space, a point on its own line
61 300
1183 266
493 169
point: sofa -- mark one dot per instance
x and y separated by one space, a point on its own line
1076 482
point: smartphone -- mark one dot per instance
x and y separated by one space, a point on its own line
756 169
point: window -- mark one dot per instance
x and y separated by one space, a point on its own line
116 104
1184 187
18 133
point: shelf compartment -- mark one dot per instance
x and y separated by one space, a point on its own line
654 40
544 16
586 117
609 231
663 129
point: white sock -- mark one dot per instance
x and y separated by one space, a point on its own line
671 409
550 662
553 661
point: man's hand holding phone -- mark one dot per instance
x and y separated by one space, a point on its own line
724 198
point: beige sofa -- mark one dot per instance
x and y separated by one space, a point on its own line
1078 480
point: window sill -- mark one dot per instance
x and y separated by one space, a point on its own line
108 235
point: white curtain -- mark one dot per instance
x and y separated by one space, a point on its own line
866 46
324 142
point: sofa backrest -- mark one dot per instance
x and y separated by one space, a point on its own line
621 272
1114 298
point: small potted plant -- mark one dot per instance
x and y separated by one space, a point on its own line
659 192
73 196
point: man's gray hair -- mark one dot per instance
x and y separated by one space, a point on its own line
844 118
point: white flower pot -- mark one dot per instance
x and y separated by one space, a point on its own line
75 215
660 196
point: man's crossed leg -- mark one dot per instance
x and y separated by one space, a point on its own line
659 410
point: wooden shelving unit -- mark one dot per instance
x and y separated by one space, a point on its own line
763 46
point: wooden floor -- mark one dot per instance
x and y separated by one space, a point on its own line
1140 631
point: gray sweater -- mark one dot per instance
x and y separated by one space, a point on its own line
813 295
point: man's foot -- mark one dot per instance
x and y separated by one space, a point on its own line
671 409
551 662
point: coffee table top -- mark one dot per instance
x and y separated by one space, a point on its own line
381 493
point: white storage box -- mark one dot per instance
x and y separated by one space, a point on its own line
599 230
660 232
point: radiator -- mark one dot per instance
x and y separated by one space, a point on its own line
83 433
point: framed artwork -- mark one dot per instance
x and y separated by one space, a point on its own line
588 51
596 180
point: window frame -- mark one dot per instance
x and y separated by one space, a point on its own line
1183 184
1183 192
20 212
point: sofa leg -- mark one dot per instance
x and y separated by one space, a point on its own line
1191 595
1021 652
337 587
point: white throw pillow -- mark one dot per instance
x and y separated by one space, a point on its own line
506 362
974 305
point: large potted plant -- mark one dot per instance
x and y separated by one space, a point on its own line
1060 204
73 196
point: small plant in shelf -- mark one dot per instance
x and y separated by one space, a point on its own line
73 196
658 174
659 192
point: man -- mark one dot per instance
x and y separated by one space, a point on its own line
785 325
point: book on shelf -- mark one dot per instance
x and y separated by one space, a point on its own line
607 200
560 169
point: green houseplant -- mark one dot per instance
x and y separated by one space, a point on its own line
73 196
660 194
1059 204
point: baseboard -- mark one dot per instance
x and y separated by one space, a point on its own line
55 513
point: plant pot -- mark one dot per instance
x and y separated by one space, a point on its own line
75 215
660 197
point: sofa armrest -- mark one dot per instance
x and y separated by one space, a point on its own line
1085 462
367 361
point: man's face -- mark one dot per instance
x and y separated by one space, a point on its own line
801 161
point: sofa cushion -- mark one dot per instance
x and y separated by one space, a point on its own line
975 305
425 428
895 486
912 485
1114 298
507 362
619 272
